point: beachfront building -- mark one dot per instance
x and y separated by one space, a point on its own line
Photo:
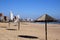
1 17
5 19
29 19
16 18
11 16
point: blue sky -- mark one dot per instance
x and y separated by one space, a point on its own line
31 8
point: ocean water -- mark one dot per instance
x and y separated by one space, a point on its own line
48 22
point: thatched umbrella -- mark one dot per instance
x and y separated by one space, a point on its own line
46 18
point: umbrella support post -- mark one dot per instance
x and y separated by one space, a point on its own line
9 24
18 25
45 30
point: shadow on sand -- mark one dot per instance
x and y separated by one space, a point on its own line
12 29
3 27
27 36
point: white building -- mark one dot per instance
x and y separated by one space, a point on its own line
11 15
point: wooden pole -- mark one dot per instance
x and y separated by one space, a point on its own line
9 24
45 30
19 25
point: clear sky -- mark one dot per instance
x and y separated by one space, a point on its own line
31 8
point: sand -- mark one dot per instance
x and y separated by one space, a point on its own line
29 31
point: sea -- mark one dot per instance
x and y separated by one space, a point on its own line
48 22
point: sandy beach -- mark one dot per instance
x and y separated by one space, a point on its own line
28 31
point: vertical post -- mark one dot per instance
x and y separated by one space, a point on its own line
45 30
9 24
18 25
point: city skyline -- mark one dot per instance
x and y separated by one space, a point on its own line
31 8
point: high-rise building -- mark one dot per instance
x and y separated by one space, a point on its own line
11 15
